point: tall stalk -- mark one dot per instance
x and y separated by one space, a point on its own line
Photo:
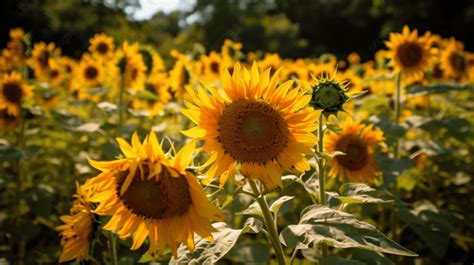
120 104
396 153
322 177
269 222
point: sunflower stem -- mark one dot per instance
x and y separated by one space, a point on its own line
120 105
19 186
269 222
396 152
322 181
112 244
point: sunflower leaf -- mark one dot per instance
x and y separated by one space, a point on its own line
276 205
320 224
207 252
361 193
336 260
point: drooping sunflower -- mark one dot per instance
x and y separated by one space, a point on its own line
254 123
77 228
90 71
409 53
358 143
41 56
13 90
102 46
454 61
151 195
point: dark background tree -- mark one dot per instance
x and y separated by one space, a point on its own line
293 28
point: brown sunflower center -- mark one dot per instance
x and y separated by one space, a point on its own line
215 67
12 92
458 62
410 54
356 152
165 198
102 48
43 59
252 131
91 72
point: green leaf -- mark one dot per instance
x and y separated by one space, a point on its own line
320 224
9 153
361 193
276 205
207 252
336 260
147 95
145 258
370 257
431 224
253 209
440 88
250 253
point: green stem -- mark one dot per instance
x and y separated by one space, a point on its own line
120 105
397 112
322 177
322 181
396 152
112 244
19 186
269 223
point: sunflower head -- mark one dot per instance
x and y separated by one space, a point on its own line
454 60
358 143
102 46
13 90
253 124
409 53
329 95
91 72
150 194
77 228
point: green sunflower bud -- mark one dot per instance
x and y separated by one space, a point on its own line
329 95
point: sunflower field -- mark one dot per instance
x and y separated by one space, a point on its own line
227 156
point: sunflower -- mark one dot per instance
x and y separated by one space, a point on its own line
157 84
253 123
410 54
102 46
296 69
91 72
179 76
41 57
13 90
153 61
358 143
132 66
321 70
77 228
454 61
213 64
16 46
353 58
149 194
